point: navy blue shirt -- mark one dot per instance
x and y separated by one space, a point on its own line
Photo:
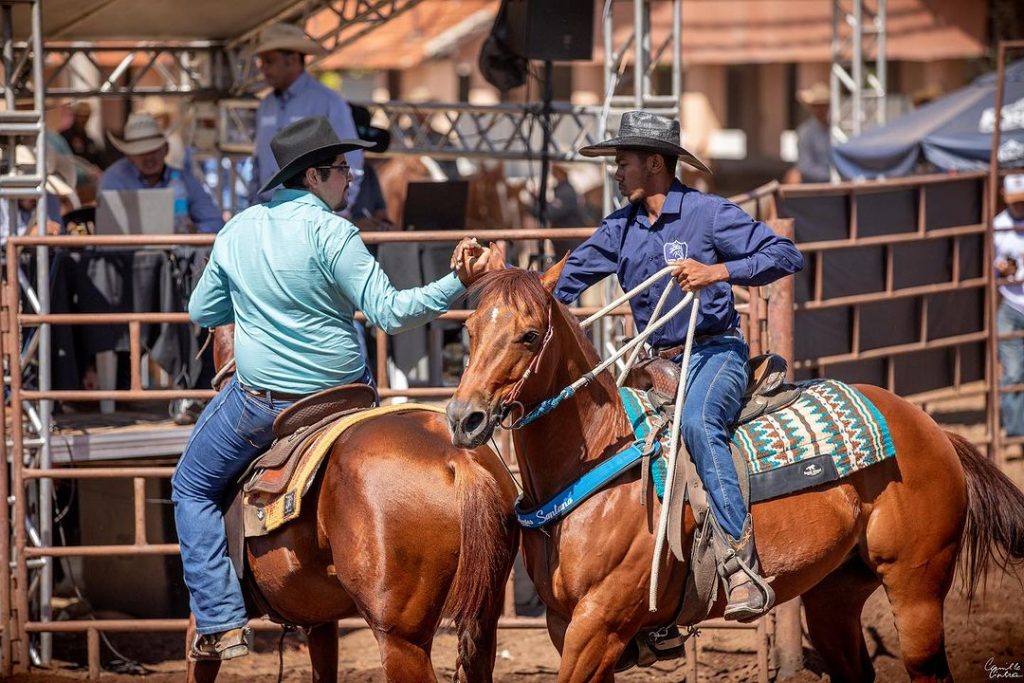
704 227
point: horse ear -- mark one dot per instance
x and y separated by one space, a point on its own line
550 277
495 258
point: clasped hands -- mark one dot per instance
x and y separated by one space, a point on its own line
469 260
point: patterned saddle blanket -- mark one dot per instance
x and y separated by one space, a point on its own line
829 432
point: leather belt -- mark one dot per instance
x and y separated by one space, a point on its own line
670 352
271 395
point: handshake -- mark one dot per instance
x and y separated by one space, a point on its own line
470 260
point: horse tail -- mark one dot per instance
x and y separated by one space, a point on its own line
994 531
487 549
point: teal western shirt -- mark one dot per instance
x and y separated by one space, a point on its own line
291 274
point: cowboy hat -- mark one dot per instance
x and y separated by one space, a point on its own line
818 93
288 38
142 135
650 132
60 168
298 145
1013 188
380 138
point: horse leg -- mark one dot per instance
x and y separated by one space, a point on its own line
323 651
477 646
916 590
198 672
404 660
591 649
834 622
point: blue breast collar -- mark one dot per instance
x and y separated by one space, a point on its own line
569 498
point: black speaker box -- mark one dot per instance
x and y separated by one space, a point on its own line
555 30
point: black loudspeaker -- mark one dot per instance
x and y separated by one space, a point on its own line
555 30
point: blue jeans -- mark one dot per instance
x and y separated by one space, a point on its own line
1011 358
233 429
715 383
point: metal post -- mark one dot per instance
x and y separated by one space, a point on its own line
858 66
881 70
994 394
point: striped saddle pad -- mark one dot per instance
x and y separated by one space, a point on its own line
828 433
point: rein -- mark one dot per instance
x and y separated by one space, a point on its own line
634 345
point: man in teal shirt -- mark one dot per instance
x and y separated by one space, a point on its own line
290 274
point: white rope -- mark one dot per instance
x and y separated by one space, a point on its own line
670 463
627 296
654 317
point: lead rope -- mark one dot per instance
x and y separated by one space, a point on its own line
670 463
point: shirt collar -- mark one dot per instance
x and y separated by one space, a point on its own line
297 86
673 204
164 176
290 194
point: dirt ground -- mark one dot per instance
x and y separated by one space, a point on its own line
991 632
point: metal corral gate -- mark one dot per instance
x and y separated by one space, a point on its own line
20 610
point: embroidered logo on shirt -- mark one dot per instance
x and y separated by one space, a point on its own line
674 251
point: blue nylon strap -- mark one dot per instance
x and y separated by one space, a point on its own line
566 500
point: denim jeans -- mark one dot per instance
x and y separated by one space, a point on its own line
1011 358
715 383
233 429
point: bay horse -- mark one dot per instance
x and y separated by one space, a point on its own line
902 523
402 528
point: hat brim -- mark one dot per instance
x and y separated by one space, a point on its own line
1013 197
611 147
302 162
288 44
140 146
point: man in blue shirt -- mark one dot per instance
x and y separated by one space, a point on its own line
715 245
143 168
295 95
290 274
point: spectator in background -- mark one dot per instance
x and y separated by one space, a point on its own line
81 143
60 180
370 210
1008 242
281 54
814 142
144 167
166 117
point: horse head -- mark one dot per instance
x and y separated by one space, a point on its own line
510 339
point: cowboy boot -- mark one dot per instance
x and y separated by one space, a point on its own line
750 596
220 646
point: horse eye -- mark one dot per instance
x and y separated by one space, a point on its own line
529 337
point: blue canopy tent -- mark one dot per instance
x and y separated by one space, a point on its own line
953 132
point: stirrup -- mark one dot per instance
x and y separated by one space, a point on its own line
220 646
759 601
648 647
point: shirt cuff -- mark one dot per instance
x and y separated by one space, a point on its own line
738 269
452 286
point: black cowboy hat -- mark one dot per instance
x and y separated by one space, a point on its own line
296 147
380 138
650 132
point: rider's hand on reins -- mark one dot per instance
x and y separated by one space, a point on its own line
693 275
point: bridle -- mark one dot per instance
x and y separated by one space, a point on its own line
509 403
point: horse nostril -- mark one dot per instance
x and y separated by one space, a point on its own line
473 422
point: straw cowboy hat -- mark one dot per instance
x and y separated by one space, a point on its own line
142 135
649 132
289 38
818 93
60 169
296 146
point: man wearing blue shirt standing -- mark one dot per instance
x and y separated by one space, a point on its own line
715 245
290 274
143 167
281 52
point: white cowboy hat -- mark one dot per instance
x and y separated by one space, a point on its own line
287 37
1013 188
142 134
818 93
60 169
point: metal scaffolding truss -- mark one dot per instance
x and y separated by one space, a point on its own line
858 83
448 131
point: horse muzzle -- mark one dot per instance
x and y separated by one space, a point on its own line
470 423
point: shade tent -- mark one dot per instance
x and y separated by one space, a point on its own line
953 132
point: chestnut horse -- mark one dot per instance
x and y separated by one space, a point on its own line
901 523
401 529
